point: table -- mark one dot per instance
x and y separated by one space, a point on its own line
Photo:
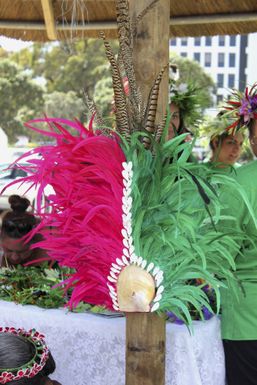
90 349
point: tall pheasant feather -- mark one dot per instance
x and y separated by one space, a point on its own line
129 109
122 116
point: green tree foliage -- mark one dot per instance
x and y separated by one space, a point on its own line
76 67
3 53
29 58
79 67
68 70
66 105
103 95
18 92
190 71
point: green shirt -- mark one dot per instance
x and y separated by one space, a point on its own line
239 312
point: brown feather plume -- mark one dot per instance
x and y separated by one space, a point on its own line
146 10
90 103
122 116
151 109
131 115
160 128
126 52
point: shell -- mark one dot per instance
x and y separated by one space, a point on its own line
135 289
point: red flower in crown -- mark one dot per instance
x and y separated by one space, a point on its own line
36 368
31 374
26 373
37 335
20 374
44 356
6 377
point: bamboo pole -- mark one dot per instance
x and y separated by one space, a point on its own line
48 12
105 25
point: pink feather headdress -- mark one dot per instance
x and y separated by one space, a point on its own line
91 212
121 216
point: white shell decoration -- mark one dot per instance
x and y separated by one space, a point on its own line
134 285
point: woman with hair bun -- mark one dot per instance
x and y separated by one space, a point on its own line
16 224
24 358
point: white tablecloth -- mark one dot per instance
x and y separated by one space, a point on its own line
90 349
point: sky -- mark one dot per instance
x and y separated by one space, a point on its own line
13 44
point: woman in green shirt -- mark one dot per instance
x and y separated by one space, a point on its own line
239 307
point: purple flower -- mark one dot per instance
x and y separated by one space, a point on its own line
206 313
174 318
206 288
245 109
248 106
253 102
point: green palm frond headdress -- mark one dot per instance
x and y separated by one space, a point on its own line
213 127
136 225
186 97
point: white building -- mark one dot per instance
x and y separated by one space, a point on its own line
4 149
224 58
251 51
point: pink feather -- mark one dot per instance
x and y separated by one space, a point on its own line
83 230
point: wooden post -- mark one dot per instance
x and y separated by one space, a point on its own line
145 349
151 47
145 332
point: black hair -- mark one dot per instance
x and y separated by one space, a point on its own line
250 127
181 127
16 351
18 222
219 139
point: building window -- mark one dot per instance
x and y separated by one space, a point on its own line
183 54
231 80
207 59
197 41
221 60
208 41
219 98
173 42
197 56
221 41
183 41
220 80
232 41
232 60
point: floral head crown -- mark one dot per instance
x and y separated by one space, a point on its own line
215 126
35 365
186 97
242 107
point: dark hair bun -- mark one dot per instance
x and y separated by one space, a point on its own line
18 204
